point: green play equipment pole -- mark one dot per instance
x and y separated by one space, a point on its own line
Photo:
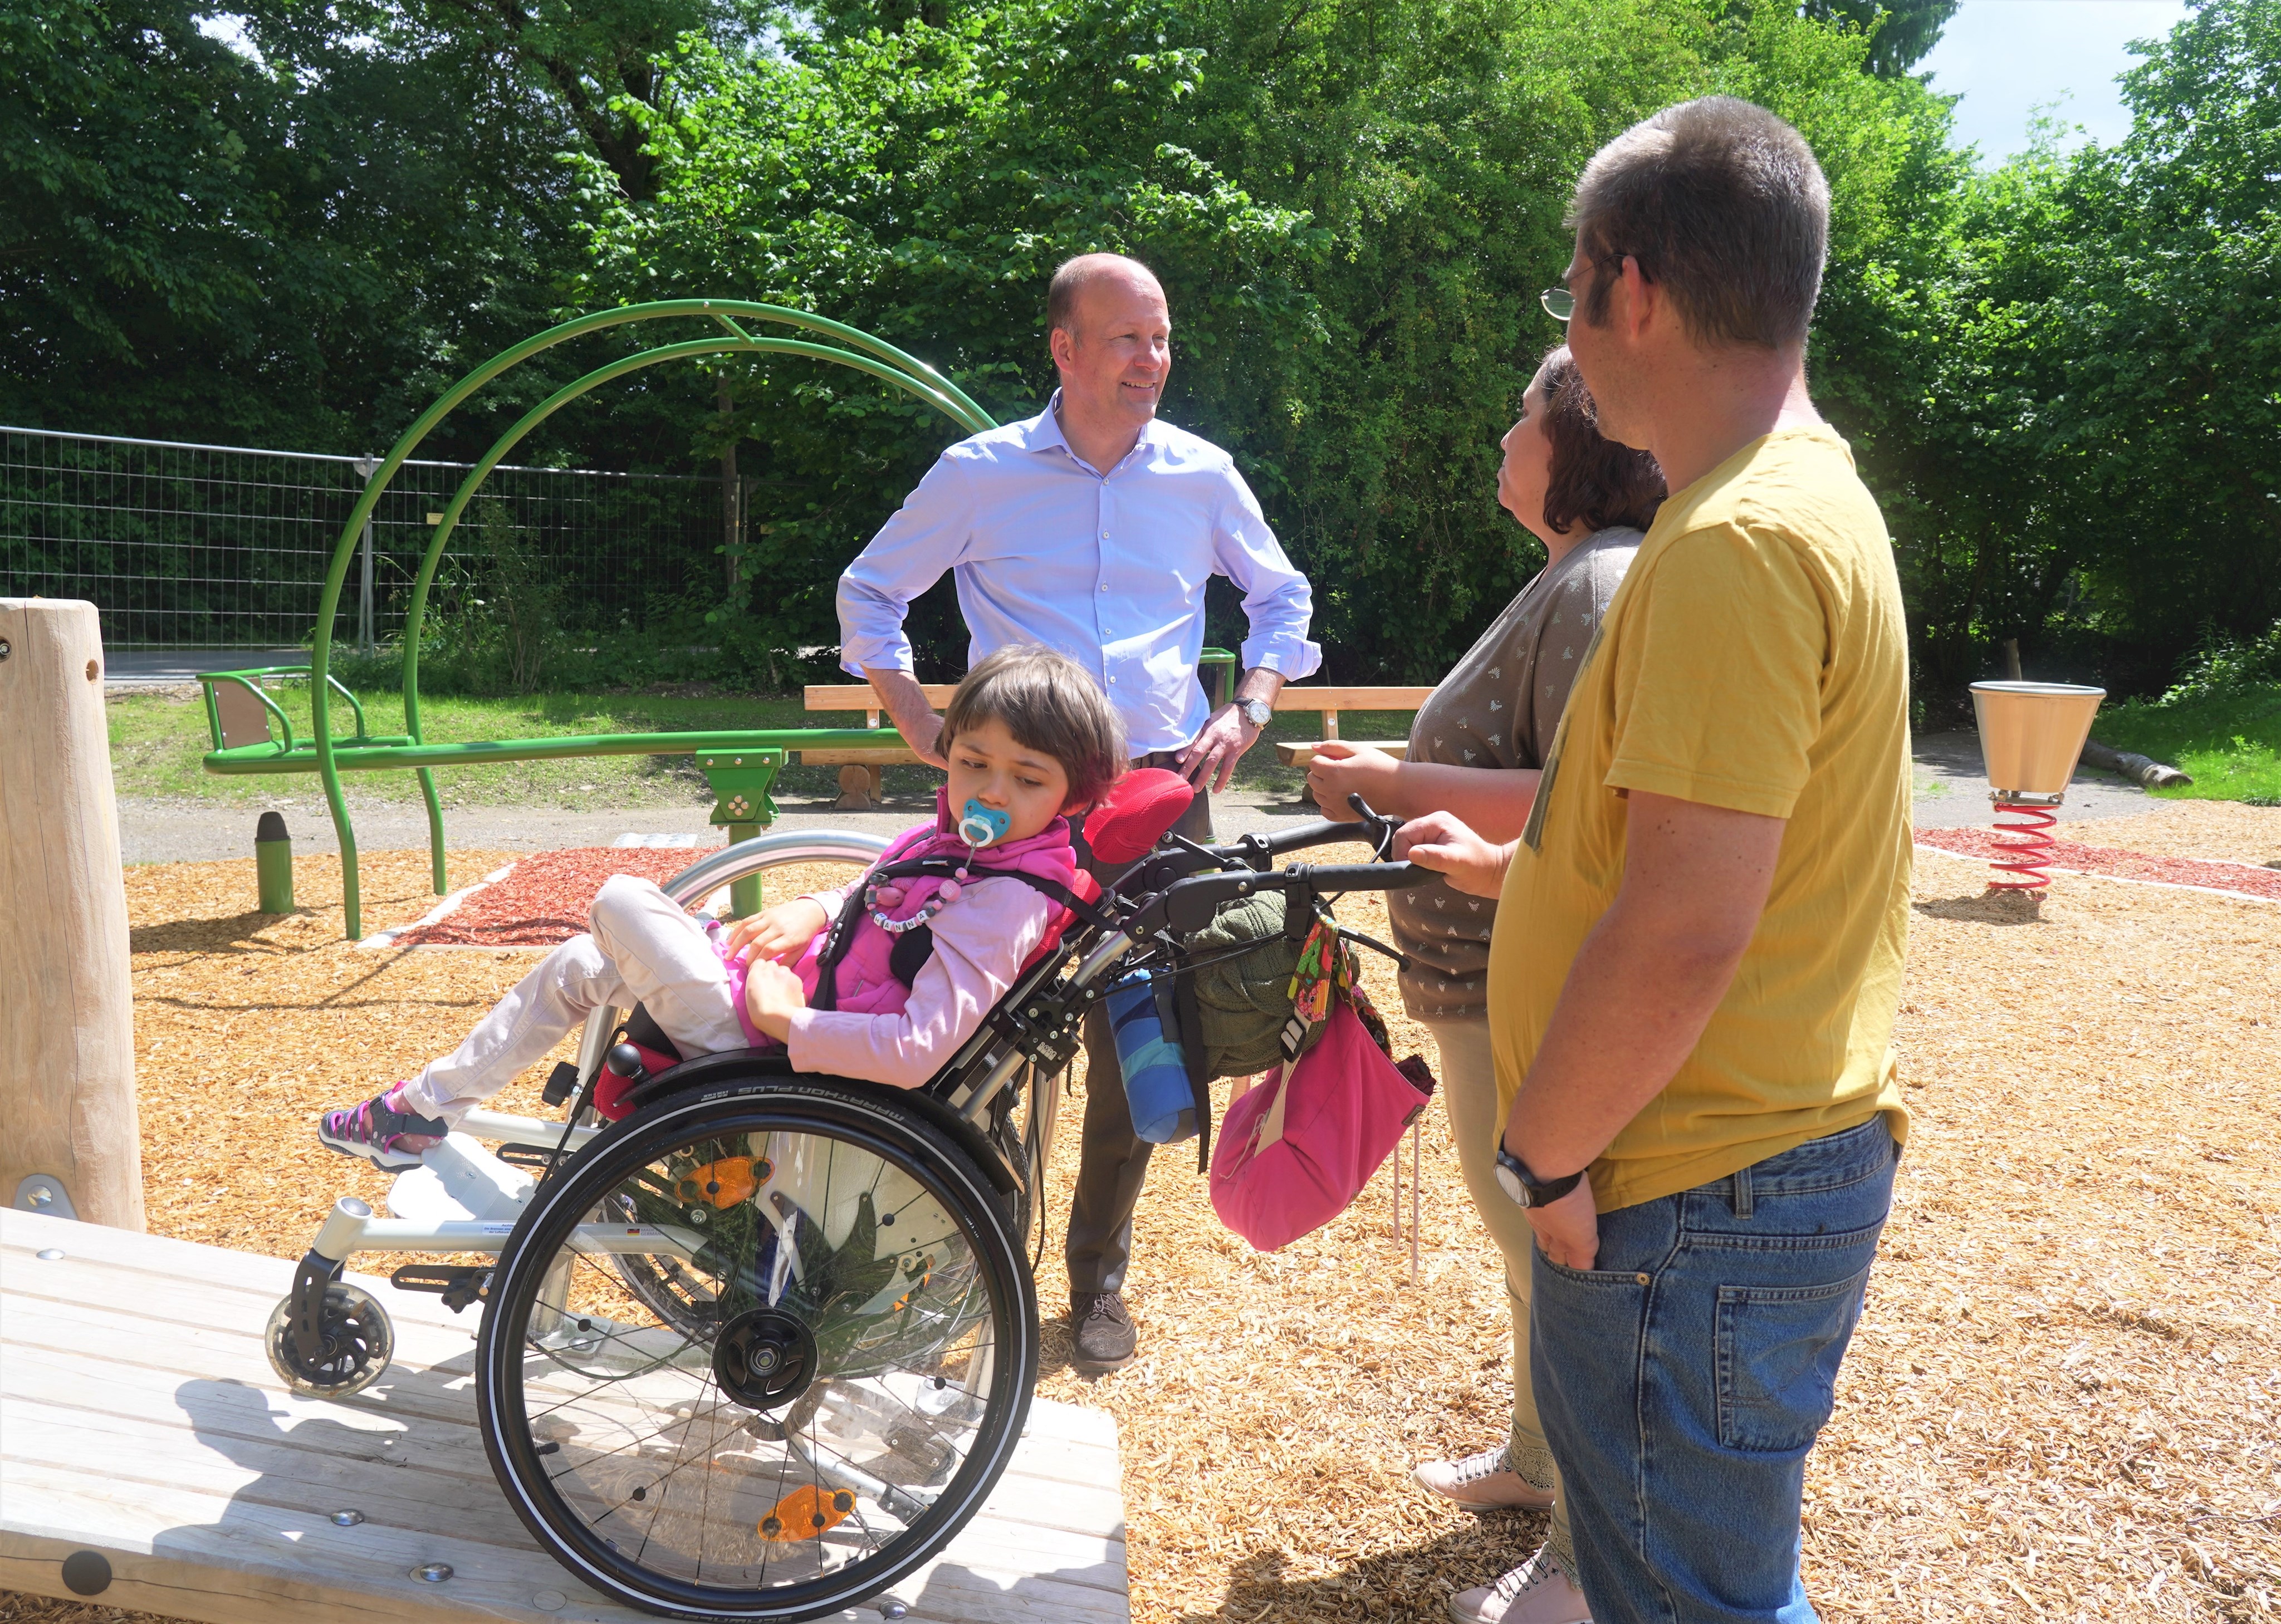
273 862
863 352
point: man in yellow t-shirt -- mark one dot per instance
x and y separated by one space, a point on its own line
1700 932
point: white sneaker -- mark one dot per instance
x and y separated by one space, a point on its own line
1536 1592
1485 1482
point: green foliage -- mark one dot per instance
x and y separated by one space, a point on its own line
1900 34
923 185
2086 441
2226 664
2058 375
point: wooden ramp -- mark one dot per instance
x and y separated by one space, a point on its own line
140 1421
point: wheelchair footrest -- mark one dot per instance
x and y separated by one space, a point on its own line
459 1284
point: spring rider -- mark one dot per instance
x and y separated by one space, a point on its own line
2031 736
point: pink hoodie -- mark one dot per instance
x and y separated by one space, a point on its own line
885 1033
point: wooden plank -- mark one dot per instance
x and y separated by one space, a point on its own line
900 755
1304 698
139 1418
861 695
1301 755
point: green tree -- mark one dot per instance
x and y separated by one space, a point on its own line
1902 34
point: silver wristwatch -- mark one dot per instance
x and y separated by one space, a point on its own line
1256 713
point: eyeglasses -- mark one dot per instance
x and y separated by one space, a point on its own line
1560 304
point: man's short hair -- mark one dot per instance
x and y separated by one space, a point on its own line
1073 277
1722 203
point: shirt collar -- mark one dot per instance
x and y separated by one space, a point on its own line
1043 432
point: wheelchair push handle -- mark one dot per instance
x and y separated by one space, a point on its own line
1258 851
1188 904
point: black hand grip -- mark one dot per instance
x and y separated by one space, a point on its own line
1329 877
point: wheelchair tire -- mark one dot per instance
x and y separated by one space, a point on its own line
842 1382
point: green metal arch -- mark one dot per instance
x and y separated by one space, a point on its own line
853 349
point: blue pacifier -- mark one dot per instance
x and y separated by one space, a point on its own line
980 826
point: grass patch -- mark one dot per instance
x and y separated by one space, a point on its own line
2230 740
158 741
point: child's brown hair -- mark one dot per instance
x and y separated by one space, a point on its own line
1048 702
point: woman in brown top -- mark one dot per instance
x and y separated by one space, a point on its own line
1475 751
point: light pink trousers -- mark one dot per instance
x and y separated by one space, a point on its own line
643 949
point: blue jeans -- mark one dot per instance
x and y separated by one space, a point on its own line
1682 1380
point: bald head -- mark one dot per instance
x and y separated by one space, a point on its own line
1111 272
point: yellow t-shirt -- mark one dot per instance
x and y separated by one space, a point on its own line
1755 658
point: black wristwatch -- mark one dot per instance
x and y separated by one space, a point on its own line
1514 1178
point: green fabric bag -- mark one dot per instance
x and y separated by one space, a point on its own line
1243 1002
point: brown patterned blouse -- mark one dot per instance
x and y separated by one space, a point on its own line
1498 708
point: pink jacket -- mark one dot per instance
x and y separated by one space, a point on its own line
885 1032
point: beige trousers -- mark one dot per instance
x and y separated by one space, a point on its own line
1469 1092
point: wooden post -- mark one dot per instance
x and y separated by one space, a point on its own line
68 1126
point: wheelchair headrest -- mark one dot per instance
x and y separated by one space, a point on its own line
1140 808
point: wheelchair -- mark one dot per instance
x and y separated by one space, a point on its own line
760 1347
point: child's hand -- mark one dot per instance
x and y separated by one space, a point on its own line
772 997
781 933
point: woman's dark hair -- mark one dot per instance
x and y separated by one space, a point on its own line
1048 702
1593 479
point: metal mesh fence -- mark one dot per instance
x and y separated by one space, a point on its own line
204 546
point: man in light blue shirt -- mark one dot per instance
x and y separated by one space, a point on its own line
1092 529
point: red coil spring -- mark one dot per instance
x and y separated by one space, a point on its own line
2028 852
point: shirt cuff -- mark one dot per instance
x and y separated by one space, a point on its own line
1289 655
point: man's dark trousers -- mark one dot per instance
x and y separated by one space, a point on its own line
1112 1160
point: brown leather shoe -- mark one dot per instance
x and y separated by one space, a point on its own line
1482 1483
1105 1337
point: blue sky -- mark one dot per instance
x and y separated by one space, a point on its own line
2008 57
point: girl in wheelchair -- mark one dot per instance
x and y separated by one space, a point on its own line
882 981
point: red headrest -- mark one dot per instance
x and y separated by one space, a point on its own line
1140 807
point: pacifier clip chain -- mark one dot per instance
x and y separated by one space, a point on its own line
978 826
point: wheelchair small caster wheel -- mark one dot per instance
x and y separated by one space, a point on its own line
355 1349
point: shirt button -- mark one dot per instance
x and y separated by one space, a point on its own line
1112 681
1104 586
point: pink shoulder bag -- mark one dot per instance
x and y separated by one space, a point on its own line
1297 1149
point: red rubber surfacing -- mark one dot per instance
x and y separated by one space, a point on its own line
2116 864
546 897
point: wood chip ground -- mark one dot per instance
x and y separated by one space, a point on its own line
2061 1403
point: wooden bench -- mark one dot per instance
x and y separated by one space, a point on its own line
861 769
1328 702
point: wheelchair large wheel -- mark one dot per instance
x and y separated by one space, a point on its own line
840 1382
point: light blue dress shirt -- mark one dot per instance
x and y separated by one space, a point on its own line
1109 569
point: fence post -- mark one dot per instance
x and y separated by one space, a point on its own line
364 465
70 1141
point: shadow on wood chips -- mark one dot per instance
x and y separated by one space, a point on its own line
2062 1403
